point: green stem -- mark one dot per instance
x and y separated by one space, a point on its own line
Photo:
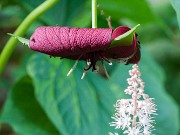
94 14
10 45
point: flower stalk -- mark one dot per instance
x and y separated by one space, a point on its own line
94 14
10 45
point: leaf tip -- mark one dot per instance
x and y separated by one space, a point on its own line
24 41
11 35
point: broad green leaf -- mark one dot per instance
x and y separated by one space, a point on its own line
61 14
83 19
168 56
119 10
20 71
24 41
176 5
124 39
134 10
9 16
81 107
75 106
24 113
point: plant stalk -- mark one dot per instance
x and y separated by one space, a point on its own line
20 31
94 14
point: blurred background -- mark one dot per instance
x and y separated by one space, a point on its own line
159 35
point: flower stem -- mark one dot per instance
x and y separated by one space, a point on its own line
135 100
135 114
10 45
94 14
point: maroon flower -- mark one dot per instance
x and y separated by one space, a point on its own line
89 44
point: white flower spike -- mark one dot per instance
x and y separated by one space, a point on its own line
134 116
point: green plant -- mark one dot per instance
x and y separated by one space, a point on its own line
43 100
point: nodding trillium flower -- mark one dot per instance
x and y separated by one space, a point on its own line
134 116
88 44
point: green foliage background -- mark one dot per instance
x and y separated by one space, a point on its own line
43 101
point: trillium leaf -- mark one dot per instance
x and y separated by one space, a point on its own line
23 113
74 106
176 4
24 41
78 107
124 39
